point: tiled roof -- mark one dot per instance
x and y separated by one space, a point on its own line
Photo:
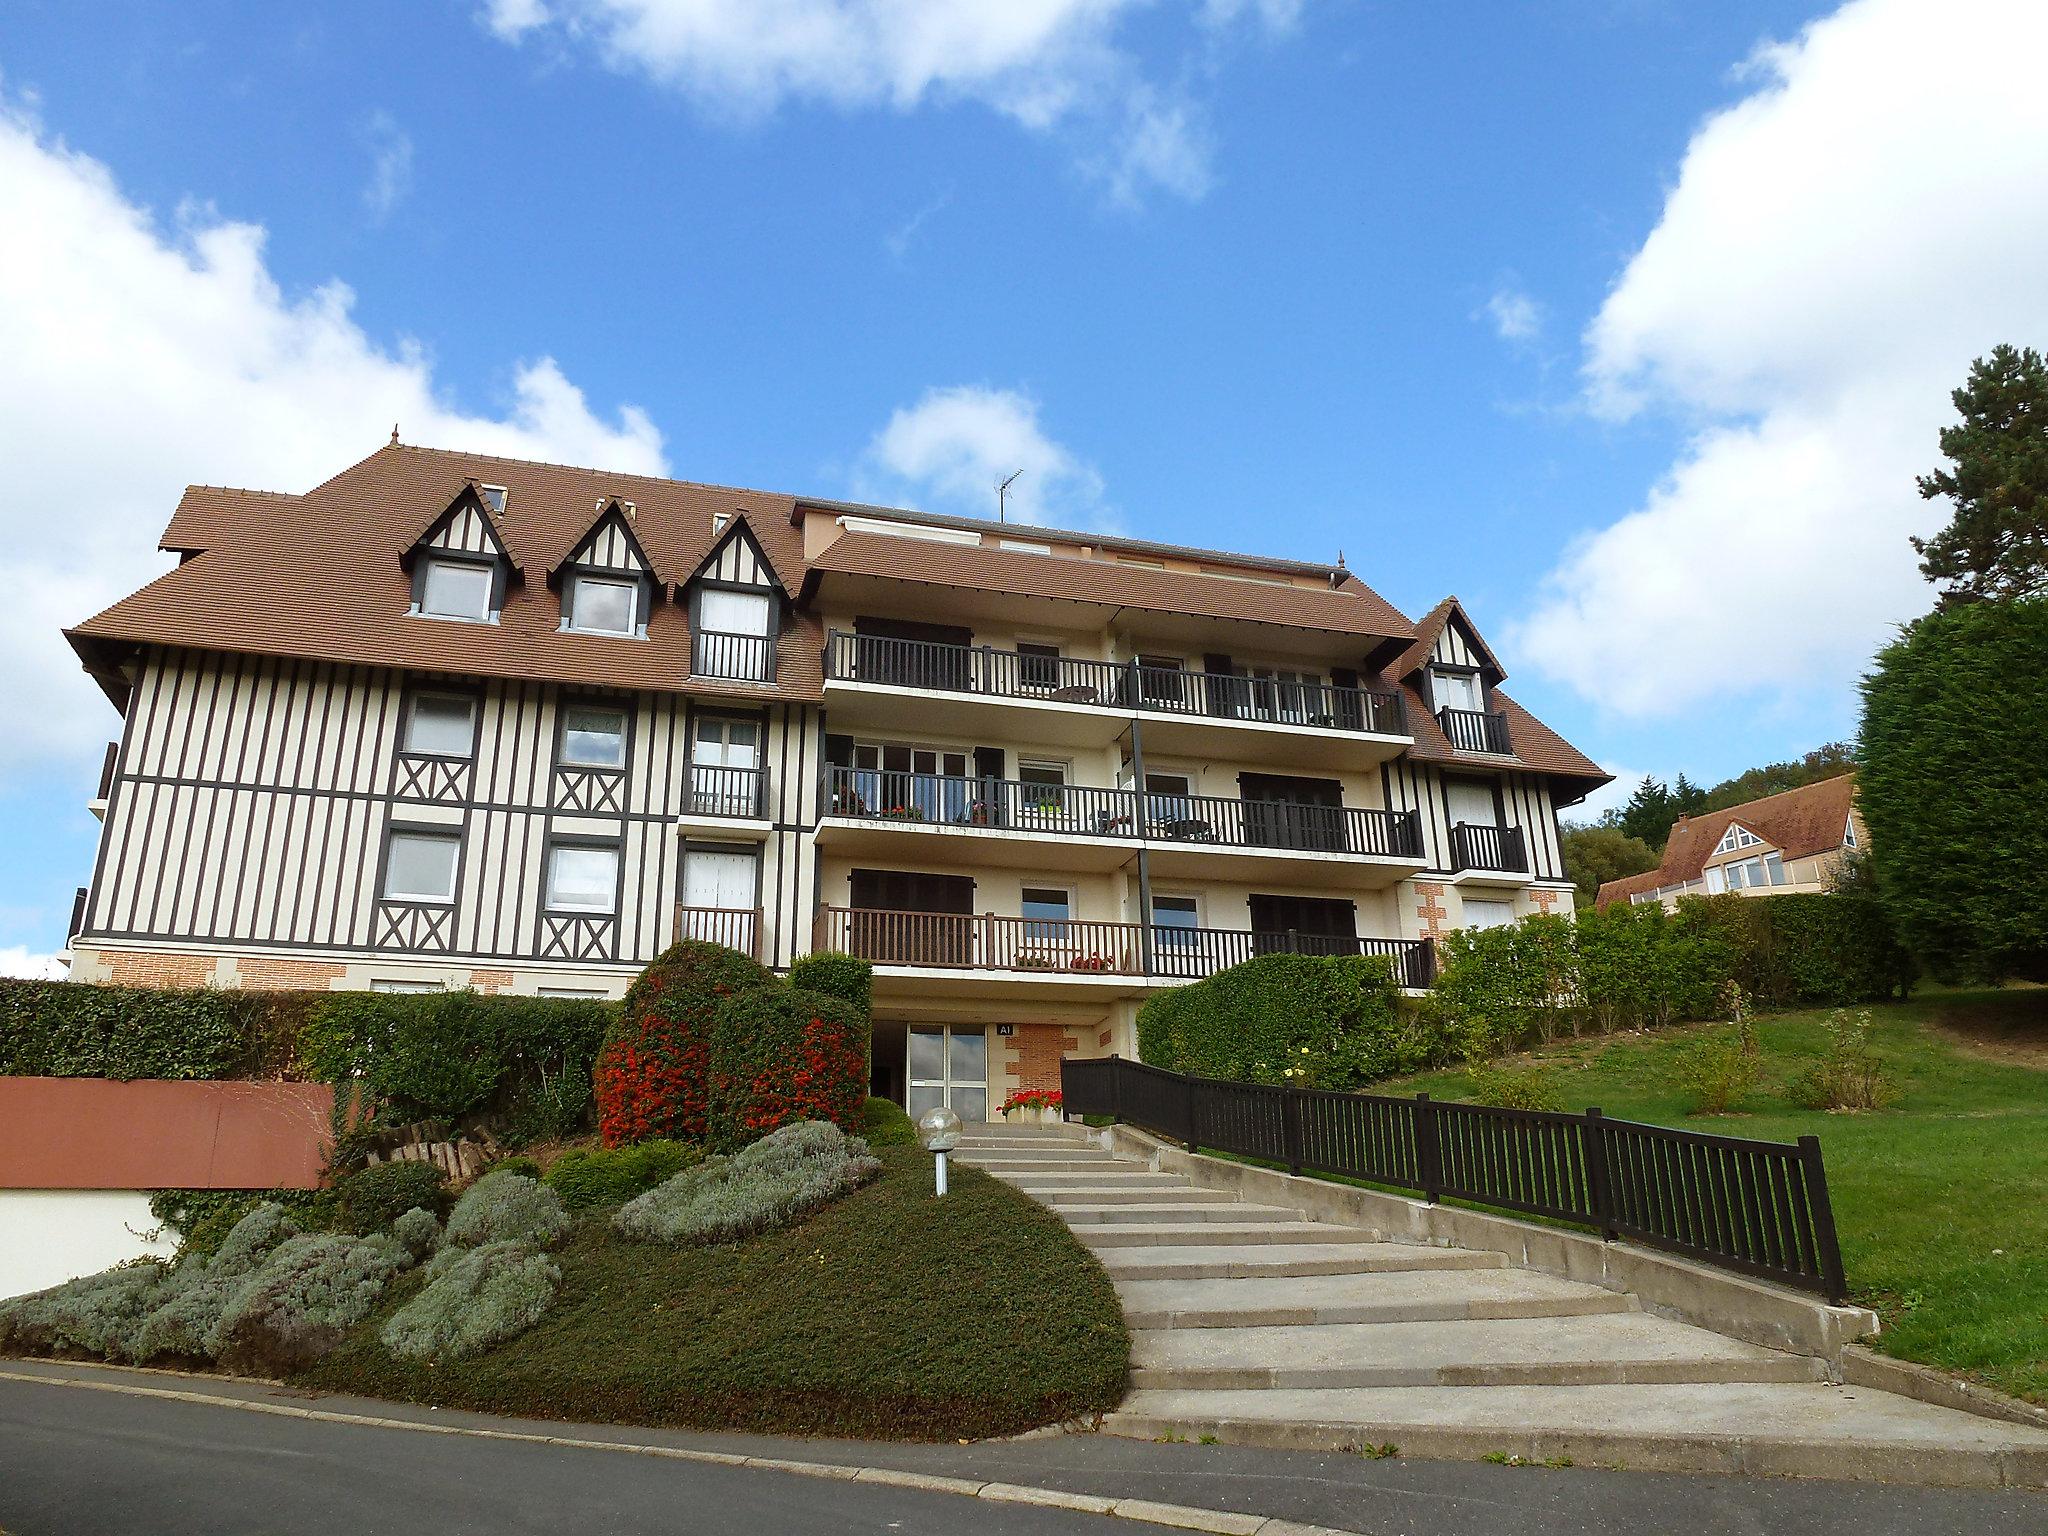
1351 608
1427 629
207 513
319 575
1537 748
1797 822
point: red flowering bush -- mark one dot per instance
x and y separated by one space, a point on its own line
779 1055
654 1070
1033 1098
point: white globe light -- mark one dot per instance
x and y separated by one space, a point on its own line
939 1129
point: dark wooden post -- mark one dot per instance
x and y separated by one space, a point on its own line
1599 1194
1826 1249
1428 1153
1188 1109
1290 1126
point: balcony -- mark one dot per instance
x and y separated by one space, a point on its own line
1475 730
729 802
735 927
1055 957
1077 701
732 658
1489 855
1075 827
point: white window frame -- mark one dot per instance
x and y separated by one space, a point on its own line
610 904
440 560
502 495
574 620
625 736
1058 804
593 993
1848 831
1492 904
1735 838
469 707
451 838
767 611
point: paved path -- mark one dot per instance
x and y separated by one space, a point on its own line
79 1463
1259 1326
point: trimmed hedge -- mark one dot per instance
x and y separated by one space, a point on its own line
589 1177
82 1029
885 1123
653 1072
1806 950
839 975
1309 1021
779 1056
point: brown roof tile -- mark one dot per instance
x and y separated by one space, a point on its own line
1427 629
1797 822
207 514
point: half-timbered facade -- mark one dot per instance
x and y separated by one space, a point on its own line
449 720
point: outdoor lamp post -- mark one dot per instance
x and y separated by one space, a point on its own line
939 1130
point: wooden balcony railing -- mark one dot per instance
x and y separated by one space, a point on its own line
735 927
1064 810
981 669
1475 730
738 658
716 790
1481 847
989 941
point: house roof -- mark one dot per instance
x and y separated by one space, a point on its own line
1537 748
1797 822
206 513
302 576
1428 629
1349 608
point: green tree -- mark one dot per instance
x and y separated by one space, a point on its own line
1955 773
1996 544
1824 762
1594 855
1687 798
1648 813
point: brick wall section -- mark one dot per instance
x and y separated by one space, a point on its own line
265 974
1429 906
1544 900
126 969
1035 1055
489 982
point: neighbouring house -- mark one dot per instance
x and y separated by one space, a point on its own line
1792 841
456 721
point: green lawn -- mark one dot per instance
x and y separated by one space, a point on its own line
1941 1201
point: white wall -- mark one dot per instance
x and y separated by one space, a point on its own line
48 1236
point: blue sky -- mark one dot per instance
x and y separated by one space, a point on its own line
1500 299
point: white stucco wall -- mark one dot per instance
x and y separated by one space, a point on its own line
48 1236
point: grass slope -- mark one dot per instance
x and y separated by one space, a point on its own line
1941 1201
890 1314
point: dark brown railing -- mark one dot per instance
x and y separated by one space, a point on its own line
735 927
989 941
107 770
715 790
1758 1207
1482 847
740 658
1113 684
1063 810
1475 730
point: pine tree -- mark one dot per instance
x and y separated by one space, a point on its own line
1996 545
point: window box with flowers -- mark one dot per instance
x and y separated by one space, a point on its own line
1035 1106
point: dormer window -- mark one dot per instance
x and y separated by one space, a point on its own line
734 637
453 588
602 605
1736 837
1457 690
1849 832
494 497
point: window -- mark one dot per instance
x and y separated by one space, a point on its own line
1150 565
583 877
948 1065
420 866
1849 832
1753 874
1044 784
723 756
1028 546
494 497
604 605
456 589
1736 837
1457 690
1046 912
1166 798
396 984
591 992
1038 665
734 613
441 725
1488 914
1174 920
593 736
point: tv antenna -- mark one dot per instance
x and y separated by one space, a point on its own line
1003 497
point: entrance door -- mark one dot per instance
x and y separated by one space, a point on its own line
1283 812
1303 925
718 898
948 1065
905 918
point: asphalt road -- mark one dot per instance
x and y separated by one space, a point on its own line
75 1462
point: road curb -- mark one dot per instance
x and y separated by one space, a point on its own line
1220 1522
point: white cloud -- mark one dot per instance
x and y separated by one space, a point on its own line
390 149
947 452
141 357
1046 64
1515 316
1838 245
19 960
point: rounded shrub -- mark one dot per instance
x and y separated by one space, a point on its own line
884 1123
653 1071
371 1198
477 1297
506 1208
770 1184
419 1230
304 1298
846 977
589 1177
780 1056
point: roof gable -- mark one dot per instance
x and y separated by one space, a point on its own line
1798 823
465 527
1446 636
611 545
738 559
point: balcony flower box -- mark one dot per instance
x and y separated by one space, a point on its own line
901 813
1034 1106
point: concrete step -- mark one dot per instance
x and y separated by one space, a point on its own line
1617 1349
1391 1296
1016 1164
1168 1234
1171 1211
1036 1149
1232 1260
1806 1429
1097 1192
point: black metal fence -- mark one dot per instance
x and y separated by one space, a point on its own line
1758 1207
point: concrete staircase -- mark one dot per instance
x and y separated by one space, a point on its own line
1256 1325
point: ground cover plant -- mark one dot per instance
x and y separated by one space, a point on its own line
1937 1198
778 1180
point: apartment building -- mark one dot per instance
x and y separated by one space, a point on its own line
1791 841
449 720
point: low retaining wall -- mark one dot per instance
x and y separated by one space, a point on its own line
1751 1310
94 1133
